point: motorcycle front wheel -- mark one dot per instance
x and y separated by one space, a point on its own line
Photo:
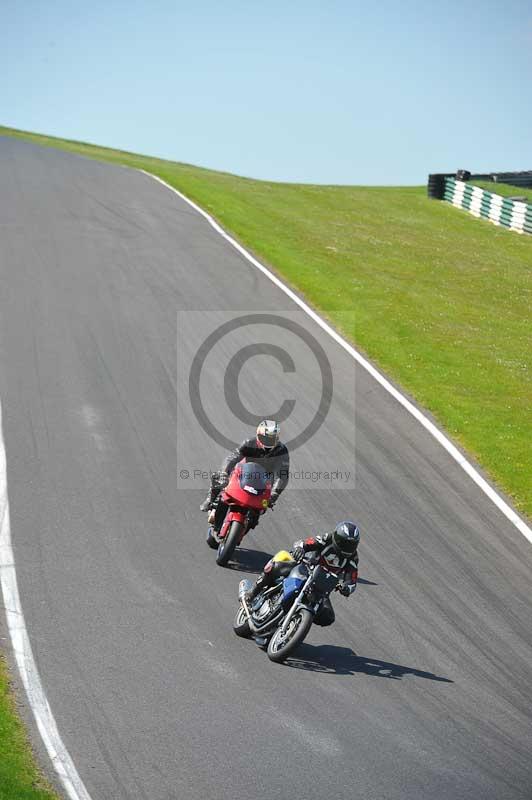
279 646
228 545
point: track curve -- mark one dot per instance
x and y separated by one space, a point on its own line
421 688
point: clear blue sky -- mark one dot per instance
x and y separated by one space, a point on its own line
329 92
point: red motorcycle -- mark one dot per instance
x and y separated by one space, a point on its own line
245 498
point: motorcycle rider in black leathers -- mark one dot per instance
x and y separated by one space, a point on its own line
266 449
337 550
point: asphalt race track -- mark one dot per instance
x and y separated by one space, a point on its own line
422 688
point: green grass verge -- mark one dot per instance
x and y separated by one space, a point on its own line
19 778
504 189
442 301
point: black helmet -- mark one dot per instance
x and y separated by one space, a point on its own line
345 539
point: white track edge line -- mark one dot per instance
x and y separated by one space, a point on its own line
440 437
59 755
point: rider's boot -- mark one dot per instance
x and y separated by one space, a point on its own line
205 506
218 481
257 587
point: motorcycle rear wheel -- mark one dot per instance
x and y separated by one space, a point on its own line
279 648
229 543
241 624
211 541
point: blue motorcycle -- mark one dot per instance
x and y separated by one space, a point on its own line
280 617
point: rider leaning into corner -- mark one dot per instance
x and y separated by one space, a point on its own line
264 448
337 550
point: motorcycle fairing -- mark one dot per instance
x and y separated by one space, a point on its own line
253 476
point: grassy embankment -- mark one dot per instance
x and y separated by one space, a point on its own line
19 778
442 300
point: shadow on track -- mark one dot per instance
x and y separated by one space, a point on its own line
252 561
335 660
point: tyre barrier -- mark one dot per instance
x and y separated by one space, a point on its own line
436 186
513 214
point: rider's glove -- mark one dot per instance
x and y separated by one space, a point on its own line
345 589
273 499
298 551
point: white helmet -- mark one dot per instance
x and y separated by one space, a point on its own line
268 433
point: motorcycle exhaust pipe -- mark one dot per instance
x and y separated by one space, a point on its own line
243 587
